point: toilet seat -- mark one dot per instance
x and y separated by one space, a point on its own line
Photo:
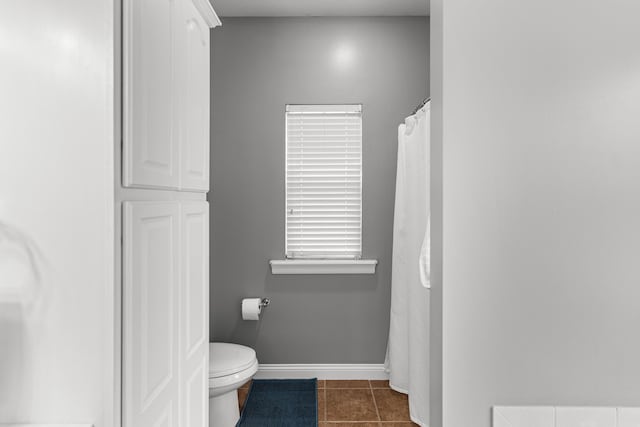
227 359
234 380
230 366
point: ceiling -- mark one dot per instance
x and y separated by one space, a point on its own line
236 8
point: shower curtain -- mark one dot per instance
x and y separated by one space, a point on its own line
407 360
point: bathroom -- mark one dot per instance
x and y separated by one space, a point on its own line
121 262
260 65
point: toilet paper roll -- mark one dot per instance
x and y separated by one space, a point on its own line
251 308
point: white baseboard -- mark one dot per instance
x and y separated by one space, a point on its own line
323 371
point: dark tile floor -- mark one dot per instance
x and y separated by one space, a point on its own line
356 403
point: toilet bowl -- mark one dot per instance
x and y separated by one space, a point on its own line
230 366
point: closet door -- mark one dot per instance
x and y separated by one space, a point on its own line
194 297
150 148
151 377
192 78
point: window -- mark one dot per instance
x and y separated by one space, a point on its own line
323 181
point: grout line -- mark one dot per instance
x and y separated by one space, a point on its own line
326 402
374 402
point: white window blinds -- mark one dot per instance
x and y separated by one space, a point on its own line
324 181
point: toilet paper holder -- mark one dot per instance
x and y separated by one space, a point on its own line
264 303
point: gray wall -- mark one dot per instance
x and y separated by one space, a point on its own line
541 204
259 65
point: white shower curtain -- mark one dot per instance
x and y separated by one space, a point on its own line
407 358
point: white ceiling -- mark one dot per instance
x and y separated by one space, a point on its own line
233 8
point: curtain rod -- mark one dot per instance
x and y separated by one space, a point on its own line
422 104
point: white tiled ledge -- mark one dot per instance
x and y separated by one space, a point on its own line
45 425
561 416
323 266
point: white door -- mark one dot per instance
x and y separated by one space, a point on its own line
192 82
150 141
194 344
151 314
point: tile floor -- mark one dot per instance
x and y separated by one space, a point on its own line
356 403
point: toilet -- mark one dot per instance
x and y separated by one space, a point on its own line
230 366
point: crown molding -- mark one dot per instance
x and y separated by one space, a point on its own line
207 12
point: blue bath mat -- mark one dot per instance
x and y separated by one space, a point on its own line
281 403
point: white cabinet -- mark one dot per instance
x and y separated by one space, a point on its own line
166 93
165 257
165 314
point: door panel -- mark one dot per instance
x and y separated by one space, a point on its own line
196 396
194 350
192 67
151 284
150 148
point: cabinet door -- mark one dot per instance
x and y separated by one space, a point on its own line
151 377
194 346
192 78
151 156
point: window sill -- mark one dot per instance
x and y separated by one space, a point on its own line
323 266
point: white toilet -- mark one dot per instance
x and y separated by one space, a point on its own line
230 366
